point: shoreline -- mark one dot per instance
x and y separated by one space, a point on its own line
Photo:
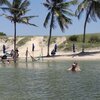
69 57
40 50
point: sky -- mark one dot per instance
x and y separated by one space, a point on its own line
36 8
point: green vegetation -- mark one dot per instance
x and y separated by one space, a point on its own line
92 41
53 39
73 38
2 34
23 41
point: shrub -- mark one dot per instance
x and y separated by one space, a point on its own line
53 39
2 34
64 46
73 38
23 41
94 39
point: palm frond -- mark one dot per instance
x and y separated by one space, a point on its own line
25 20
22 12
47 19
8 17
27 23
24 5
82 6
28 17
16 3
47 1
73 2
5 9
60 23
47 5
68 13
2 2
53 22
93 15
66 20
97 9
67 4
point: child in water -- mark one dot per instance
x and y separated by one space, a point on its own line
74 67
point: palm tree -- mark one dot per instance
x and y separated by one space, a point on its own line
92 8
57 10
17 10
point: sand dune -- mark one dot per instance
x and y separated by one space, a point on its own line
41 49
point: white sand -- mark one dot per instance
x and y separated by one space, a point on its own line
41 49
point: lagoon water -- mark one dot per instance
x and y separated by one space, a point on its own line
50 80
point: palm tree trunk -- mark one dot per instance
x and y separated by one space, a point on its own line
87 16
84 33
48 48
48 55
15 42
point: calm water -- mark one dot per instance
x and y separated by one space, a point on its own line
50 81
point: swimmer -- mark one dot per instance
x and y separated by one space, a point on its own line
74 67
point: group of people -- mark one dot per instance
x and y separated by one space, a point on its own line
12 54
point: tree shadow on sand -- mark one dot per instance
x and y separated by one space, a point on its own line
86 53
91 53
80 54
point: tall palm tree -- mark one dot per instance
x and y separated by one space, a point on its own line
57 10
17 10
92 8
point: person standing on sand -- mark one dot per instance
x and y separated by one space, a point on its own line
74 48
33 47
26 53
55 47
4 49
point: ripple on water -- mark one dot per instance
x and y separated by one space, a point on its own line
50 81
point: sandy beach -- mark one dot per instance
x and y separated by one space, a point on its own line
41 50
88 55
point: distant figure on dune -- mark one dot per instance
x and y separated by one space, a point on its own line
74 48
4 49
55 47
26 53
33 47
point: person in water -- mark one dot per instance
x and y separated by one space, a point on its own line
74 67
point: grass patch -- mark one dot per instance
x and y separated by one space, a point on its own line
23 41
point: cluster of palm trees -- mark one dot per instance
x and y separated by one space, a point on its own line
58 11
